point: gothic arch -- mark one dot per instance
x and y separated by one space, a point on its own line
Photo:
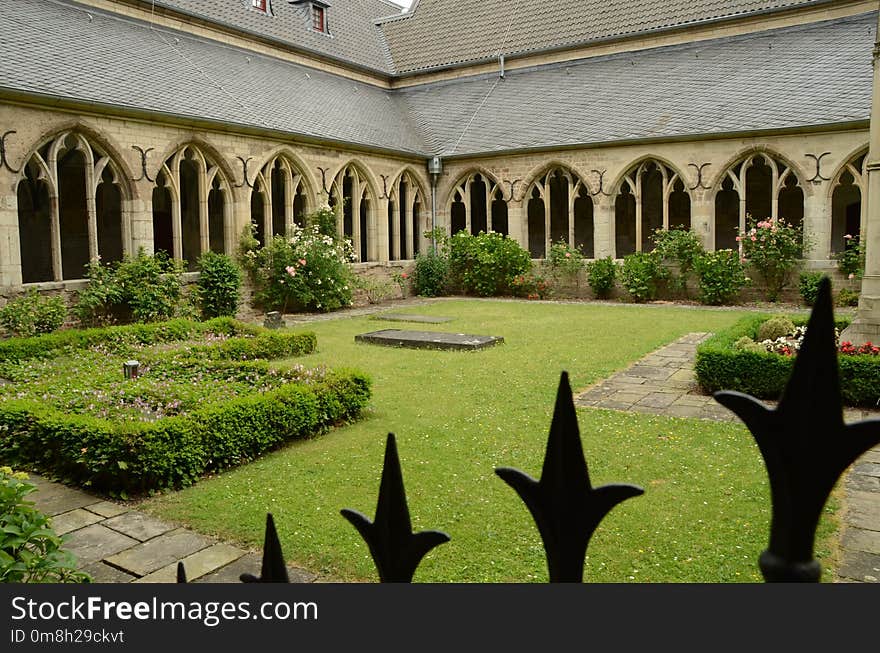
281 196
760 184
193 201
353 195
542 169
476 203
846 194
651 194
407 211
73 196
559 208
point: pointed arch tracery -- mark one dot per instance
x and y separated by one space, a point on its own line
406 208
559 209
192 206
353 198
651 195
848 208
71 209
760 185
477 204
280 198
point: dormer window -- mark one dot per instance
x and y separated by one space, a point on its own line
319 18
260 5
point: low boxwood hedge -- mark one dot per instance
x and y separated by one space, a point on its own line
46 346
138 457
721 367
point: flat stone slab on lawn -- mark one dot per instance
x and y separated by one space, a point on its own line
407 317
154 554
428 339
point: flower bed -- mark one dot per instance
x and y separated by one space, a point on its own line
195 407
720 365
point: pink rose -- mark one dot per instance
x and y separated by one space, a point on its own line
302 261
851 276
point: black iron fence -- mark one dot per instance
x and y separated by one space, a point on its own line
804 441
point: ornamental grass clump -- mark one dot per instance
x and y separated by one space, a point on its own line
773 247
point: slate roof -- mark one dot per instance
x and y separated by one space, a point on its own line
58 49
353 36
817 74
446 32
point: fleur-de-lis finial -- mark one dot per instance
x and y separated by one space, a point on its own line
274 570
396 550
566 508
805 444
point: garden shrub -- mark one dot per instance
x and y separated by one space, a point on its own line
308 271
601 275
531 286
431 273
851 261
847 297
486 264
271 345
20 349
219 285
30 550
141 289
773 248
137 457
808 286
719 366
33 314
641 274
721 276
682 247
775 327
565 262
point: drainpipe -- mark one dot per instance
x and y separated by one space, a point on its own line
435 167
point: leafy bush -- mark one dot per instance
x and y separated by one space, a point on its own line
565 262
775 327
808 286
721 276
143 289
851 261
773 248
219 285
601 275
681 246
531 286
719 366
847 297
431 274
486 264
308 271
32 314
30 551
375 289
641 274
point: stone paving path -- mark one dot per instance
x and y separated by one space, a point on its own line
116 544
663 383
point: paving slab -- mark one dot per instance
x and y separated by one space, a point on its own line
252 563
867 469
860 566
74 520
657 400
138 525
196 565
428 340
859 539
104 573
863 483
411 317
863 509
96 542
147 557
54 499
108 508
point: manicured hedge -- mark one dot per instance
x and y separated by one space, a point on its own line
720 367
134 458
45 346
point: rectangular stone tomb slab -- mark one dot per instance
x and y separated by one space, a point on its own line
428 339
408 317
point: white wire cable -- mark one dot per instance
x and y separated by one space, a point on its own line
491 90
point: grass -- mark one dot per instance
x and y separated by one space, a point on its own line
458 415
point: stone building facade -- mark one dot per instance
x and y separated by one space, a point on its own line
174 125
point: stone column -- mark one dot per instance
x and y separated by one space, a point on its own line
866 326
515 223
10 248
817 226
381 222
702 210
603 227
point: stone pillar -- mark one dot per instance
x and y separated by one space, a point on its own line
516 224
10 248
603 227
817 226
866 326
702 210
381 222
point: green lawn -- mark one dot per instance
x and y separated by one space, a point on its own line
703 518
